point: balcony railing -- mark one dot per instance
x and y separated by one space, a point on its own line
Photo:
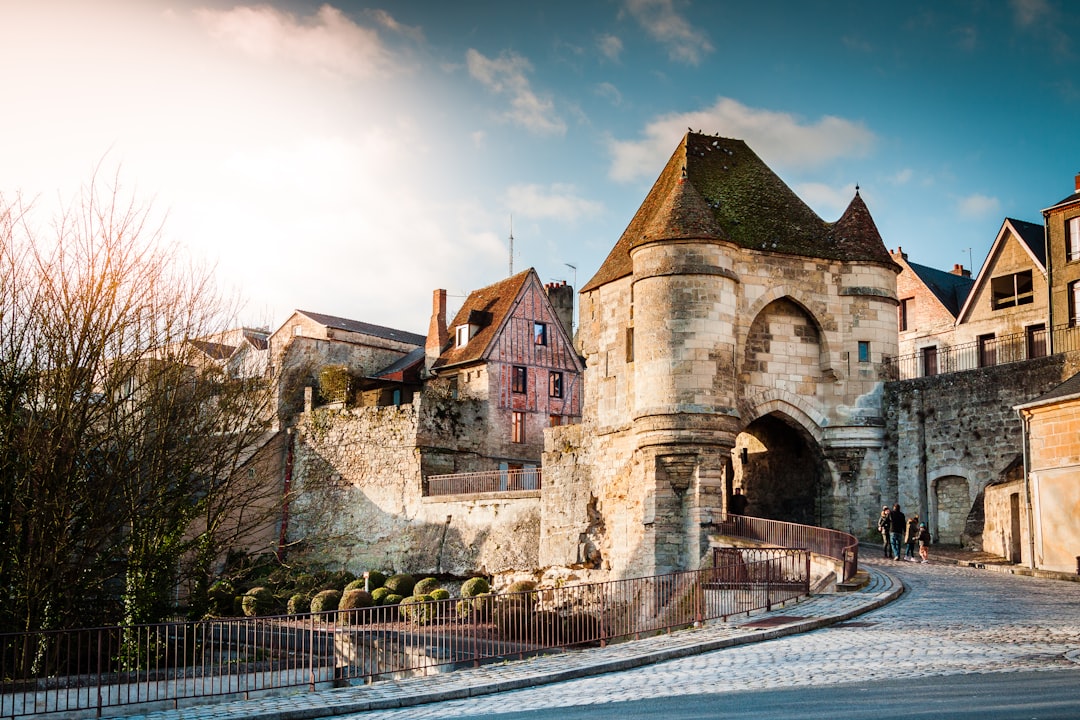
985 352
485 482
834 544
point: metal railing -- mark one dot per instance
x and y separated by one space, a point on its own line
90 670
987 352
483 482
840 546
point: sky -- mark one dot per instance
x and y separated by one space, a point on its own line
350 158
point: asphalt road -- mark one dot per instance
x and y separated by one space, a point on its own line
960 643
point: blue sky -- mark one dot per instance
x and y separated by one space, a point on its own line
349 158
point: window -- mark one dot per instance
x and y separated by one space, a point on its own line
518 382
555 420
987 350
906 306
453 385
629 344
1072 239
1036 340
462 336
1011 290
539 333
518 428
1074 303
864 351
297 330
396 397
929 360
555 384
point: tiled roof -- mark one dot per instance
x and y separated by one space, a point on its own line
949 288
1031 235
491 303
366 328
718 188
213 350
1067 200
397 370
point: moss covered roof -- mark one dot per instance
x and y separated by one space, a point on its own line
718 188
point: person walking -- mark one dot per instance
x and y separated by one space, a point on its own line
911 538
883 528
924 542
897 525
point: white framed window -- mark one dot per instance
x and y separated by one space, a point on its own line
462 336
1072 239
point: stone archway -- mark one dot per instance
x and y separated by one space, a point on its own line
781 469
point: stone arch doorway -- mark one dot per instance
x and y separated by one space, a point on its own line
781 469
952 502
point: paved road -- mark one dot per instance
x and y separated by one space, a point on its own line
951 621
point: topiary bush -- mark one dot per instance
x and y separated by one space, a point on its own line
357 584
376 579
464 608
425 586
520 586
513 617
401 584
220 597
439 594
257 601
417 609
392 599
378 595
475 586
298 604
325 601
356 598
482 606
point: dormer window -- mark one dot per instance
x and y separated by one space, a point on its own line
540 333
462 336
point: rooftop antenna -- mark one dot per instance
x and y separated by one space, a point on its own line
573 268
971 263
511 244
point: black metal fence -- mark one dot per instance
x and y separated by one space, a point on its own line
90 670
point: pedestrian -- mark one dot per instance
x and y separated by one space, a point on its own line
737 506
883 528
897 525
911 537
924 542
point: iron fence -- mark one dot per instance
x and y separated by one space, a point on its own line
985 352
90 670
487 481
834 544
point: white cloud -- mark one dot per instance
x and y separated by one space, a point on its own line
1029 12
609 91
779 138
558 202
328 40
977 206
828 202
506 75
610 47
903 177
664 24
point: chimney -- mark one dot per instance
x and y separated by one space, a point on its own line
437 335
561 297
899 253
1077 180
958 269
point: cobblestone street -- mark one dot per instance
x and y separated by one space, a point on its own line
951 620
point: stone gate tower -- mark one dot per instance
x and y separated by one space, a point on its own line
732 339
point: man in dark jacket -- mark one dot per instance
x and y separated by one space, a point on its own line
897 524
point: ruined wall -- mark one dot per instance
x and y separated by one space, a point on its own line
357 501
958 425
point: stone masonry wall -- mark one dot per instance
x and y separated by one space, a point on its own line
957 425
357 502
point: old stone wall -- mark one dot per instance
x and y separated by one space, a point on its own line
357 501
957 431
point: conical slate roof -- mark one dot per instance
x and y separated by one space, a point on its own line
718 188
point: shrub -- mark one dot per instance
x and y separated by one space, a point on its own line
335 383
475 586
439 594
299 603
392 599
378 595
417 608
513 617
220 596
425 586
257 601
376 579
520 586
401 584
357 584
306 582
237 606
340 578
464 608
356 598
482 605
325 600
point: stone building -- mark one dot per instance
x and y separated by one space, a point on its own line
732 339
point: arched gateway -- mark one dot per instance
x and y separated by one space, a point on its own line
728 316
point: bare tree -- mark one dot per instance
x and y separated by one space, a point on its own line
116 434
